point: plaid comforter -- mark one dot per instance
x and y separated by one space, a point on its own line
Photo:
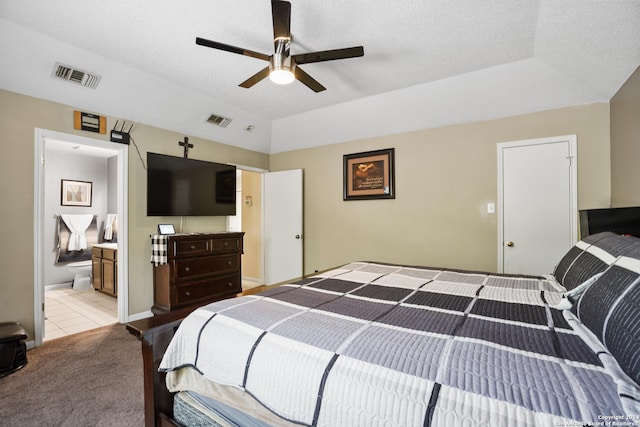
372 344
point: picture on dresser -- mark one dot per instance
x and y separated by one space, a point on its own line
75 193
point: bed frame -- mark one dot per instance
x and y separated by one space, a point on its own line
155 333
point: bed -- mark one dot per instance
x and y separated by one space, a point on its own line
370 344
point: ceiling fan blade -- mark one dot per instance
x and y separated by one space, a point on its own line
255 78
281 11
307 80
233 49
329 55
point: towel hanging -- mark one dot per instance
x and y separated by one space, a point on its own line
110 226
77 224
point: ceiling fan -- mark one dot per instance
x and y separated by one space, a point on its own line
283 68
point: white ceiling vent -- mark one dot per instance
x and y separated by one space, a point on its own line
75 75
223 122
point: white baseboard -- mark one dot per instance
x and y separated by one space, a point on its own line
138 316
59 286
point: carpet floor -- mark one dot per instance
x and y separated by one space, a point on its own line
89 379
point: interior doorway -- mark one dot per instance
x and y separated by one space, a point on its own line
249 219
537 199
270 207
44 219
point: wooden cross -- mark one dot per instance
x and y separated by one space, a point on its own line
186 146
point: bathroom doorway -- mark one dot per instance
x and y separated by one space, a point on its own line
104 165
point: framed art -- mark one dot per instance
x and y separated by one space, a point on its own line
166 229
75 193
369 175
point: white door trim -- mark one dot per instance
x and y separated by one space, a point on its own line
41 135
573 186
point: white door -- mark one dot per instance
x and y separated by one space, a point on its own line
537 221
282 226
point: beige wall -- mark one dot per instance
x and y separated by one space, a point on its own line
444 178
19 116
252 226
625 144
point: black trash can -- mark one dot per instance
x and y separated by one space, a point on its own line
13 350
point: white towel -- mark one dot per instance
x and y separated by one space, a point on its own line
110 225
77 224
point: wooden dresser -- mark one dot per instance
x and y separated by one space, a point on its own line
200 268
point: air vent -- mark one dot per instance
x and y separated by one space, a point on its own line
223 122
75 75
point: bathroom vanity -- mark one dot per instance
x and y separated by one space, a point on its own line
104 268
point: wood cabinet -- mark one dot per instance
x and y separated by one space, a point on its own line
200 268
104 270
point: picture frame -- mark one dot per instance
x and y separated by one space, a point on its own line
166 229
75 193
369 175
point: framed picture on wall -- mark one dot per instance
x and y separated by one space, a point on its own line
75 193
369 175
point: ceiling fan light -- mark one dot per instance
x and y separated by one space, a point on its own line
281 76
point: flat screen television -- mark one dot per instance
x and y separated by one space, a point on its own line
616 220
187 187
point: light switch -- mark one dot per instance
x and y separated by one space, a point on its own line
491 207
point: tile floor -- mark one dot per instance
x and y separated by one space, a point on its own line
68 312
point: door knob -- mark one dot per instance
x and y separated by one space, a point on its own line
510 244
298 236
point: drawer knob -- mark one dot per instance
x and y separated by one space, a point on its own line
187 293
229 262
187 269
230 284
226 243
192 246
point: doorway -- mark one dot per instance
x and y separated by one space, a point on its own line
269 207
248 218
46 188
537 199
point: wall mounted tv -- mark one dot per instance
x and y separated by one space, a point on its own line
187 187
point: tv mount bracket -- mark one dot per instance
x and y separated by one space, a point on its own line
186 146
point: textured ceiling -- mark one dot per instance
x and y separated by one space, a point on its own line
427 63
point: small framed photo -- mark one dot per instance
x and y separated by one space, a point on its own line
75 193
369 175
166 229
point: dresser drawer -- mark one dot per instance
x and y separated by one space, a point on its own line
188 248
200 268
226 245
207 289
193 267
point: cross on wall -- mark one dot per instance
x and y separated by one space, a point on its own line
186 146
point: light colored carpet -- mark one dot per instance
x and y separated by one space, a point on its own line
89 379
